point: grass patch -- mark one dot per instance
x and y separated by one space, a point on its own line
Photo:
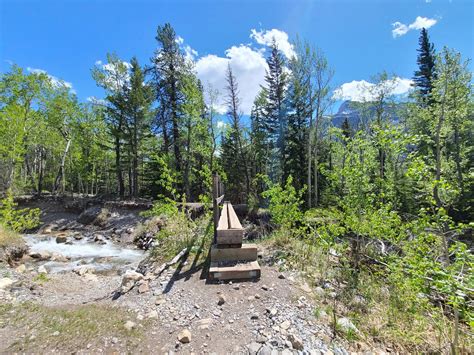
8 238
77 326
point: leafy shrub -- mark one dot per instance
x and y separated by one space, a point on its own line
284 203
18 220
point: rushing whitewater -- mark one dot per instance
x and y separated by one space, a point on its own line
101 257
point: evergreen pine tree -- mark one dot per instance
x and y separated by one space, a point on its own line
235 162
425 75
275 113
169 68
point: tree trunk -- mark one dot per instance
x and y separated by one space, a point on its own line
310 144
60 177
438 147
118 167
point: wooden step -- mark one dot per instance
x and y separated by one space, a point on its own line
234 271
230 236
248 252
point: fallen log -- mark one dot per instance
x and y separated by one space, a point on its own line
158 271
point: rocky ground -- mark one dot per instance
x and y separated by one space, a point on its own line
179 311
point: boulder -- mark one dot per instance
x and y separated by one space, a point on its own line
94 215
346 325
5 282
48 228
129 279
253 348
185 336
296 342
42 270
40 255
13 252
21 268
62 238
59 257
83 270
144 287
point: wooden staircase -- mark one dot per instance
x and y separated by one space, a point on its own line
230 259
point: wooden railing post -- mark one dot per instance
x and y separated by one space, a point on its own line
215 205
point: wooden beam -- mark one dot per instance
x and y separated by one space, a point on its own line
223 220
234 222
248 252
249 270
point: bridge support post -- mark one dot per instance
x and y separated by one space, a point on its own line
215 204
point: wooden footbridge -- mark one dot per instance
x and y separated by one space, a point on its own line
230 259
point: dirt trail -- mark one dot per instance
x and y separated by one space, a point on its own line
179 312
274 313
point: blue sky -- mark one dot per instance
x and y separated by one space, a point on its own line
360 38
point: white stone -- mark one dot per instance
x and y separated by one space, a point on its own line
5 282
129 325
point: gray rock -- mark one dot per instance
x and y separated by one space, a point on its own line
296 342
319 291
267 350
221 300
61 239
346 325
129 325
129 279
40 255
144 287
184 336
21 268
253 348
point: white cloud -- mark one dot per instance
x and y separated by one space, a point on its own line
266 37
400 29
189 53
221 124
248 65
56 82
117 76
94 100
362 91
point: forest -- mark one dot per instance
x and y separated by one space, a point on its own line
390 193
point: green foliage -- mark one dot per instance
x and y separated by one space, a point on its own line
284 203
18 220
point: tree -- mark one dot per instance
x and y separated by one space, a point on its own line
425 75
114 77
275 112
21 96
260 141
451 126
321 100
299 105
169 68
139 96
234 157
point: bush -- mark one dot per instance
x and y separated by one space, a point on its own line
18 220
284 203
